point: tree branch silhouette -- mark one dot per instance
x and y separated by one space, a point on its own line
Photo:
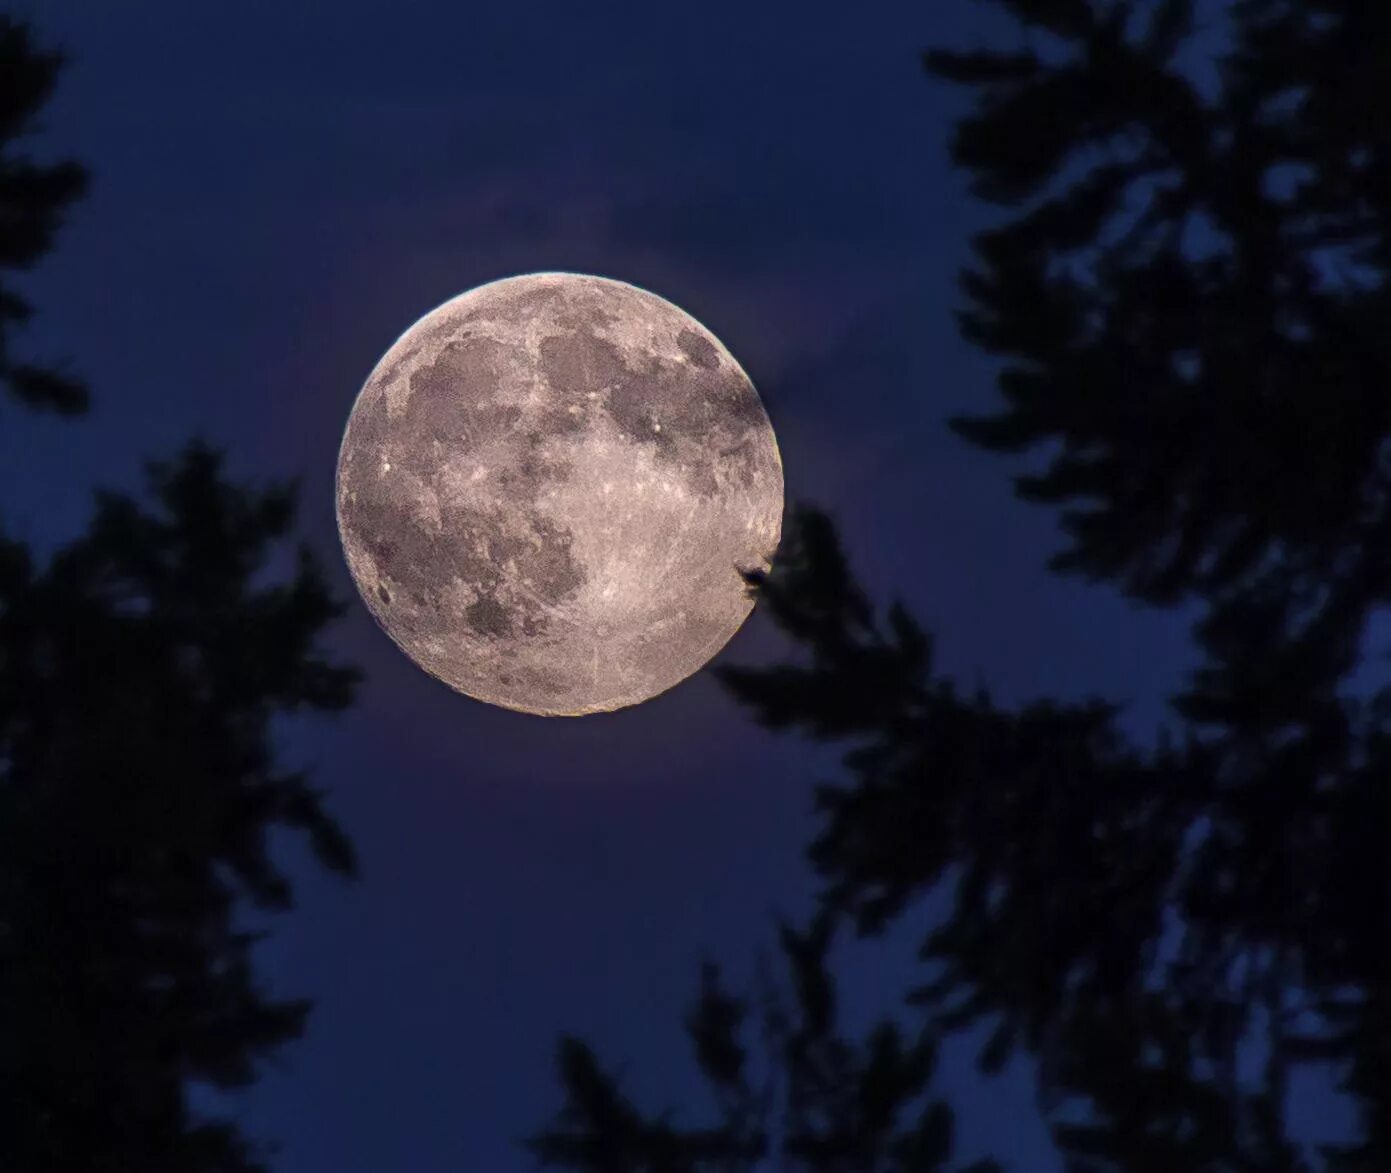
816 1103
33 200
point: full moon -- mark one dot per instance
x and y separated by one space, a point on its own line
549 489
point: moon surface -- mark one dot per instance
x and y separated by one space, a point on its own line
547 491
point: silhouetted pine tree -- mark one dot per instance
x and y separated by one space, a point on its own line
141 669
138 786
33 198
1189 301
808 1100
1071 852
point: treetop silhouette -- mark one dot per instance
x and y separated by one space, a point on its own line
800 1094
33 200
138 787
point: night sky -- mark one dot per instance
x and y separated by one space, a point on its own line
279 191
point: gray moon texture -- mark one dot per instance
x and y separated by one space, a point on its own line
548 490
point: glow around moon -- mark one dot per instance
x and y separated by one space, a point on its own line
547 491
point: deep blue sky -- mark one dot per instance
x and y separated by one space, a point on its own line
280 190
